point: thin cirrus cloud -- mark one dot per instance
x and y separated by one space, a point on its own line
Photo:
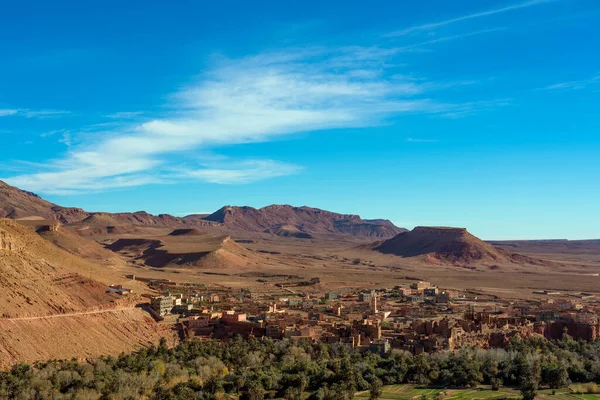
413 140
574 85
247 100
434 25
452 37
125 114
27 113
242 172
7 111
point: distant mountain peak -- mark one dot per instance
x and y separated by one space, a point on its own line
303 221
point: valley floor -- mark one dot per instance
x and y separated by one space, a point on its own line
342 264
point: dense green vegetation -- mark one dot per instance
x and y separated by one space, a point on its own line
258 369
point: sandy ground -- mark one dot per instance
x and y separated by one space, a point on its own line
341 263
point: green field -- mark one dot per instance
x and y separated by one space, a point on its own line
411 392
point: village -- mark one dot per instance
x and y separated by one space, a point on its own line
416 316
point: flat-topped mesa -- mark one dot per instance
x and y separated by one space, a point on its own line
181 251
40 225
187 232
309 210
223 212
287 220
440 230
448 245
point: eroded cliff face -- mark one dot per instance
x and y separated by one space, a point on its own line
8 242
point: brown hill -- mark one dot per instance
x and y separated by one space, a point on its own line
289 231
185 250
100 219
101 223
187 232
16 203
287 219
451 245
37 278
49 309
90 250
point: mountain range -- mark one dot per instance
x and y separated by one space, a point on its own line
432 244
280 220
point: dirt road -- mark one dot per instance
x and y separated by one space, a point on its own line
68 314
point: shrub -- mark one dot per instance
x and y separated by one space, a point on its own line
588 388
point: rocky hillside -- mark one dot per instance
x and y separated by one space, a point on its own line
287 220
451 245
16 204
37 278
50 308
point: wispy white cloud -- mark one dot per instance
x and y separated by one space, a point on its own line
125 114
413 140
27 113
6 111
66 139
64 136
376 59
242 172
574 85
474 107
52 133
450 38
237 101
43 113
434 25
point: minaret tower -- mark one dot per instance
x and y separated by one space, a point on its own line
374 304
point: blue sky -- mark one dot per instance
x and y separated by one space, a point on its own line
482 114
